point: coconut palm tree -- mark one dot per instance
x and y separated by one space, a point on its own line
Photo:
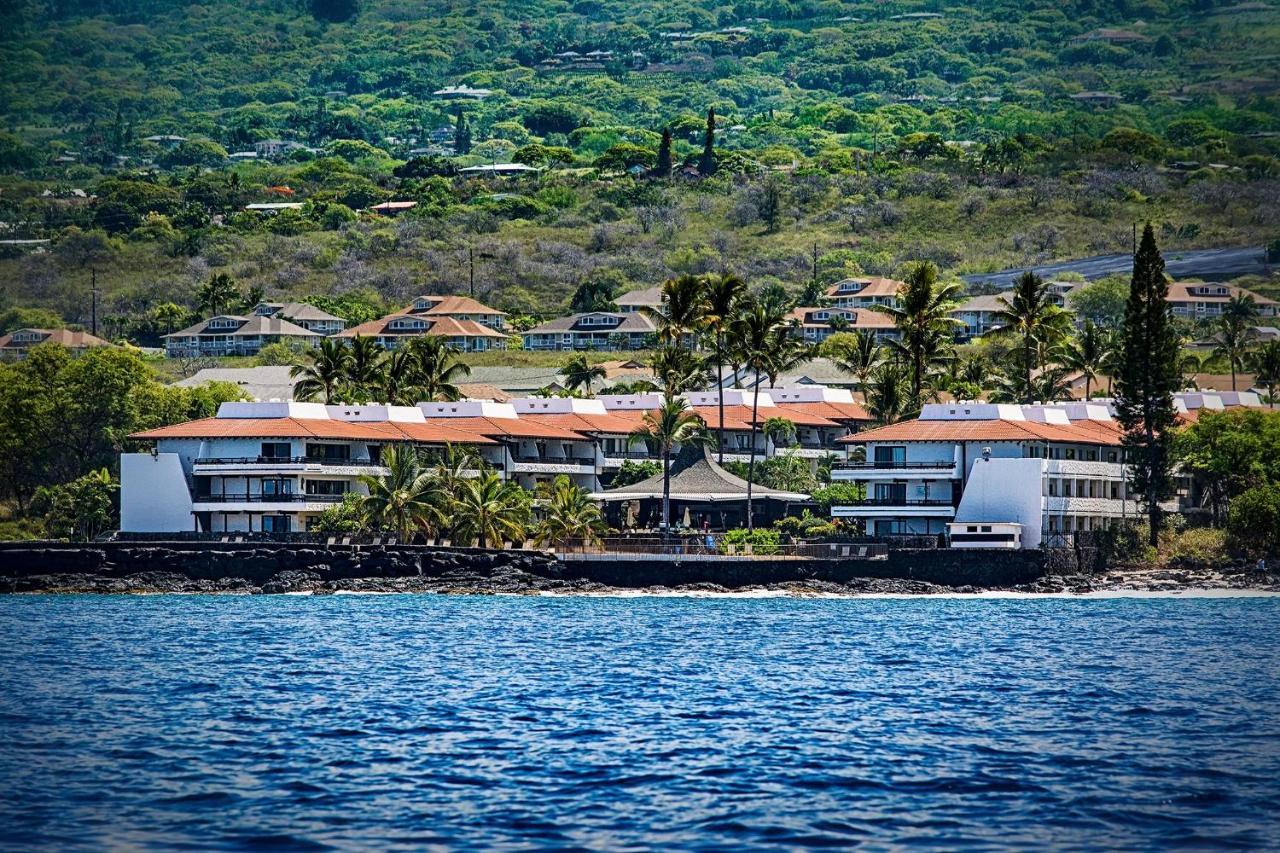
218 294
780 431
324 377
859 354
761 337
578 374
1029 313
672 424
398 375
438 368
364 377
886 392
723 292
1089 354
489 511
925 325
683 308
678 369
1265 362
567 512
404 499
1234 332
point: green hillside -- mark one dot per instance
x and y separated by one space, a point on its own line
861 135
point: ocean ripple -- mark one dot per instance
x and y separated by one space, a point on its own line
410 722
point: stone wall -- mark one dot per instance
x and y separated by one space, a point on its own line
260 562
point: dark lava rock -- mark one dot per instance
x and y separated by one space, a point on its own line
291 581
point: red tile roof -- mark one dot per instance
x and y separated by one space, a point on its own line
989 430
431 432
830 411
443 326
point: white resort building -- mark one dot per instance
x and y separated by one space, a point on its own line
273 466
988 474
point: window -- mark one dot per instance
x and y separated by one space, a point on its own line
890 456
1053 488
277 487
275 524
892 493
276 450
326 487
329 452
986 528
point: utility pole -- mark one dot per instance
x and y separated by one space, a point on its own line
93 291
815 263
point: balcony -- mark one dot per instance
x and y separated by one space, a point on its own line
282 464
893 470
267 499
894 508
553 465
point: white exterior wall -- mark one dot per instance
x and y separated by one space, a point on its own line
153 494
1005 490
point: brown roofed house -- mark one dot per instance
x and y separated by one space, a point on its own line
16 343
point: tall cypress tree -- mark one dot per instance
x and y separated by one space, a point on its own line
1147 378
707 162
663 167
462 135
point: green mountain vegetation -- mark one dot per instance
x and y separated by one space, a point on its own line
848 137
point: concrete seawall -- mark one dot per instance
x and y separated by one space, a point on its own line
259 564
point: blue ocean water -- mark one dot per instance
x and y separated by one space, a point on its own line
631 723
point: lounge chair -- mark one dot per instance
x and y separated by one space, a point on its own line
747 550
346 540
844 551
331 540
377 540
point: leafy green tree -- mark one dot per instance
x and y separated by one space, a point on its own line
1147 378
1234 332
437 368
1030 314
923 318
756 337
1230 452
195 152
662 168
489 511
82 509
324 378
723 295
405 499
219 294
1101 301
673 424
634 471
29 318
346 517
707 162
1265 362
566 513
579 374
1089 354
857 353
623 156
597 292
1254 522
462 134
334 11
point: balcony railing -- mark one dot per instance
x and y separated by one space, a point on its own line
892 466
631 454
898 502
267 499
280 460
555 460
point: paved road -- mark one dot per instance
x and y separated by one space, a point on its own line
1209 264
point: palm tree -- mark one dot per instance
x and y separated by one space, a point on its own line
405 498
398 376
886 392
1265 362
1234 333
683 308
218 294
579 374
488 511
567 513
678 369
723 294
364 369
780 431
169 314
925 325
1089 354
761 337
1030 314
437 367
860 356
673 423
324 376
